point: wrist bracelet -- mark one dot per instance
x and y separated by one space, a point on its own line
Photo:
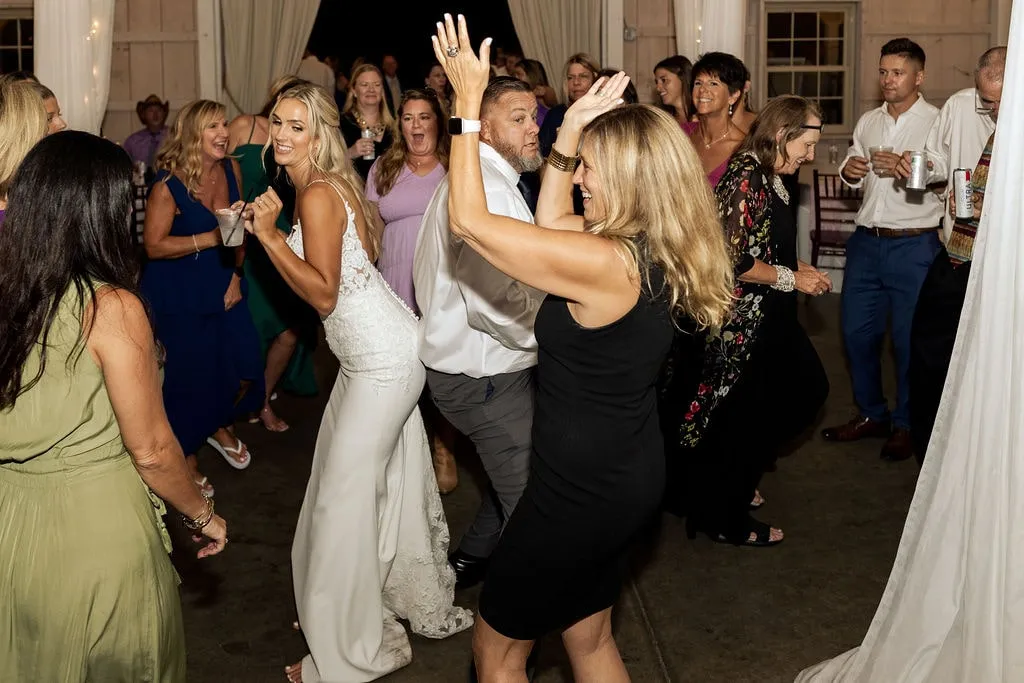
195 244
560 162
785 281
197 523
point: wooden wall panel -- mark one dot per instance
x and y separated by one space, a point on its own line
180 74
155 52
653 23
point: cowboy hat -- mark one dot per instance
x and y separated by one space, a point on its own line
151 101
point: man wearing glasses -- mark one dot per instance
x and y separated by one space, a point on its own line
941 300
965 123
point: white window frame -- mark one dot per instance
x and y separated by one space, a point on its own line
850 64
19 13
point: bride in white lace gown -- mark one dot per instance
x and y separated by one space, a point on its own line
371 543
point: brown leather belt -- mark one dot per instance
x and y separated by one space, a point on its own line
896 233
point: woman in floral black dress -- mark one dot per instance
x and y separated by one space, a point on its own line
759 381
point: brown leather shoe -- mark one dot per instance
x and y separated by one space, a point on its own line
445 469
898 447
858 428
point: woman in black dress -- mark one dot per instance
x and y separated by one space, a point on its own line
366 121
761 381
615 278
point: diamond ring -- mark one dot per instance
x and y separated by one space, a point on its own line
453 51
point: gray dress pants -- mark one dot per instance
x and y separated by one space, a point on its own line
496 413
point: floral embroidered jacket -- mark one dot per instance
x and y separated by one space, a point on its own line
744 204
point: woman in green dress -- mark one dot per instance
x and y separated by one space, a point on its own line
87 590
287 325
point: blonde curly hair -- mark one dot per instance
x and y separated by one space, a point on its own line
181 152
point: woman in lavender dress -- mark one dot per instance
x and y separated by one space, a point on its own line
399 186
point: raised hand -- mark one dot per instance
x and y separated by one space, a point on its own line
467 73
605 94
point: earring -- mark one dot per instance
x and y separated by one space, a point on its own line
730 110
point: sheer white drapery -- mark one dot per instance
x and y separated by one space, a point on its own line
262 39
710 25
551 31
72 46
953 609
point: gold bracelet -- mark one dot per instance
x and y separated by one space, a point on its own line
560 162
197 523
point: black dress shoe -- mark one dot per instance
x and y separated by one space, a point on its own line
469 569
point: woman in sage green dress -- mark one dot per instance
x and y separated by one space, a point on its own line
87 590
287 326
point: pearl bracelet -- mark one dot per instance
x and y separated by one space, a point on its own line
785 281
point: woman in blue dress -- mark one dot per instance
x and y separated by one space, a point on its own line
213 370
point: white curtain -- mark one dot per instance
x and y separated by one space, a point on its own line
709 26
263 39
551 31
73 41
953 609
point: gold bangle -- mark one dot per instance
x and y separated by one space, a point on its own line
560 162
197 523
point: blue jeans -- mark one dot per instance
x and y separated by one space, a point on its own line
883 278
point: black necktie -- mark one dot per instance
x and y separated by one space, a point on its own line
527 190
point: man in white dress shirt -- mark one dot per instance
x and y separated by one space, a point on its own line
964 125
476 334
316 72
888 256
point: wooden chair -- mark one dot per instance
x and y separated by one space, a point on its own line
835 216
139 210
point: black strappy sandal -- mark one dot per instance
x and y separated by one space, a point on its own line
762 536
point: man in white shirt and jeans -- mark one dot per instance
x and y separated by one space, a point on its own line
476 334
888 256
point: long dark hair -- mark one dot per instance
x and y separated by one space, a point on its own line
683 68
67 225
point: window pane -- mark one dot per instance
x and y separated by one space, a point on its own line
27 32
832 83
780 84
832 24
9 33
831 52
832 111
9 60
805 25
805 83
779 25
27 61
805 52
779 53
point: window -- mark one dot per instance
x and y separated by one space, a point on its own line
16 42
809 52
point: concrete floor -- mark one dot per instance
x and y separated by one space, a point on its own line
694 611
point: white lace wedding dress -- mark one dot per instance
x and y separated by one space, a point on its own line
371 542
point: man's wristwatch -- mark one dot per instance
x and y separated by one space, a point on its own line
240 271
457 126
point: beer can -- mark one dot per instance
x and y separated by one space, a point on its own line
963 193
368 134
918 179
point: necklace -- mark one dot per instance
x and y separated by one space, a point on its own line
728 129
376 129
780 189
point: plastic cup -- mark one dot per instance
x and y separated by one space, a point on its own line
871 155
232 234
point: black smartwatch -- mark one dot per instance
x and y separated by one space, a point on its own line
457 126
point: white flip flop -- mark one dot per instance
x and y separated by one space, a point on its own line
237 450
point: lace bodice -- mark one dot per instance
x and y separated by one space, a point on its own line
371 330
